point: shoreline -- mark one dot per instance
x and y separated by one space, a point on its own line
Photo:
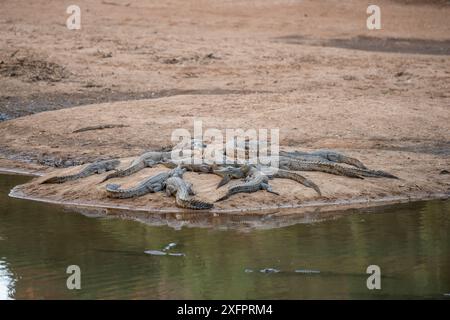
379 97
322 206
341 205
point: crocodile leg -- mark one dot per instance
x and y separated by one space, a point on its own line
226 178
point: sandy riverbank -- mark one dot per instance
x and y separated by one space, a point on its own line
312 70
150 123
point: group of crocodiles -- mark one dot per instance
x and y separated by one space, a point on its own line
255 176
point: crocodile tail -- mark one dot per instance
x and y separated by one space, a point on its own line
363 172
193 204
113 191
386 175
314 186
378 174
308 183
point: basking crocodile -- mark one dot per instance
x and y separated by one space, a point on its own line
201 167
182 191
319 155
229 173
327 155
293 164
256 180
93 168
152 184
147 159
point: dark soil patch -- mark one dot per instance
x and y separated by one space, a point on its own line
14 107
49 160
434 147
396 45
58 160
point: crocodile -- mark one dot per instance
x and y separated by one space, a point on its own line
319 155
182 191
152 184
201 167
148 159
98 167
256 180
327 155
229 173
288 163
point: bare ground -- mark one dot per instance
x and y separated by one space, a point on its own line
311 69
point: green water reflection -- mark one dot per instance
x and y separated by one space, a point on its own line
410 243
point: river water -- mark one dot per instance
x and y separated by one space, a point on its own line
410 243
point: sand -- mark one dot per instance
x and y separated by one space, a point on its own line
148 68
